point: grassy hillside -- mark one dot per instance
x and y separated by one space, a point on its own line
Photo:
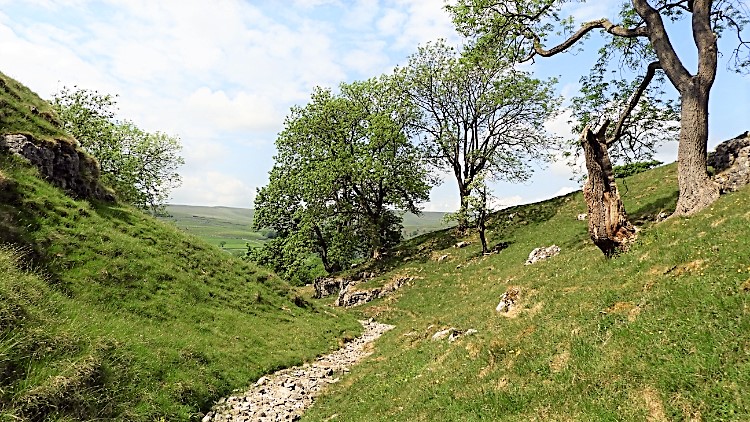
215 225
233 225
123 317
659 333
22 111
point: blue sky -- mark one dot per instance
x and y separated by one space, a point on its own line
222 74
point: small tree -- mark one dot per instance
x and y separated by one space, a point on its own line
478 114
344 165
477 208
140 166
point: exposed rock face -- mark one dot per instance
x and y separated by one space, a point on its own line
61 163
285 395
325 286
348 296
731 161
542 253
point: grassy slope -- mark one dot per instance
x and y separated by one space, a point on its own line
659 333
22 111
132 319
233 225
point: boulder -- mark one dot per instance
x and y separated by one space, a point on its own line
542 253
731 162
326 286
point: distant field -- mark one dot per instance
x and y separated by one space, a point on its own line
233 226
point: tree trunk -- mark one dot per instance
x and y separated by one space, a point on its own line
697 190
609 227
464 192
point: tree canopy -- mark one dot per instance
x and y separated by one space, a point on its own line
478 114
344 166
140 166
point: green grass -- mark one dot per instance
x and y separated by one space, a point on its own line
661 332
22 111
232 227
110 314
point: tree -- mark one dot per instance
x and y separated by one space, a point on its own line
477 208
478 114
520 29
344 165
140 166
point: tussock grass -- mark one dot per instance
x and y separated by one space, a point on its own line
661 332
109 314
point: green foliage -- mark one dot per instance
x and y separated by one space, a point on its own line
140 166
661 331
133 319
477 114
631 169
344 164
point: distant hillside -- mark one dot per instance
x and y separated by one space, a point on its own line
109 314
231 227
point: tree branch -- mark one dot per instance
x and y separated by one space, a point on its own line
650 72
705 41
673 67
605 24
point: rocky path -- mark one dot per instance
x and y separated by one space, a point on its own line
286 394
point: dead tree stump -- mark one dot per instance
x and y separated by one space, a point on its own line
609 227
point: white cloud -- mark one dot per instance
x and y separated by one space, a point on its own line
212 189
243 111
505 202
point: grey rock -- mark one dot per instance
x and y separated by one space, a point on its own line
61 163
731 162
348 296
542 253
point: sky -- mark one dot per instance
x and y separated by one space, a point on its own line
222 75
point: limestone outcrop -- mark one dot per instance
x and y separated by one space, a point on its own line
61 163
731 162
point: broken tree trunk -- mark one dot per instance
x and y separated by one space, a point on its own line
609 227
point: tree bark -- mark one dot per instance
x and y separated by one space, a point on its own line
609 227
697 190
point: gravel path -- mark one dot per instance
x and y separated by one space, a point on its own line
286 394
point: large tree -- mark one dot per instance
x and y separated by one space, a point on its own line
478 114
523 28
344 166
140 166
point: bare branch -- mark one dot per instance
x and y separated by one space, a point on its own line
605 24
650 72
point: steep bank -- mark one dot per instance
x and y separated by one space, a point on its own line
109 314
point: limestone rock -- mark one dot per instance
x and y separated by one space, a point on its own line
326 286
731 161
508 299
582 217
542 253
349 296
61 163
